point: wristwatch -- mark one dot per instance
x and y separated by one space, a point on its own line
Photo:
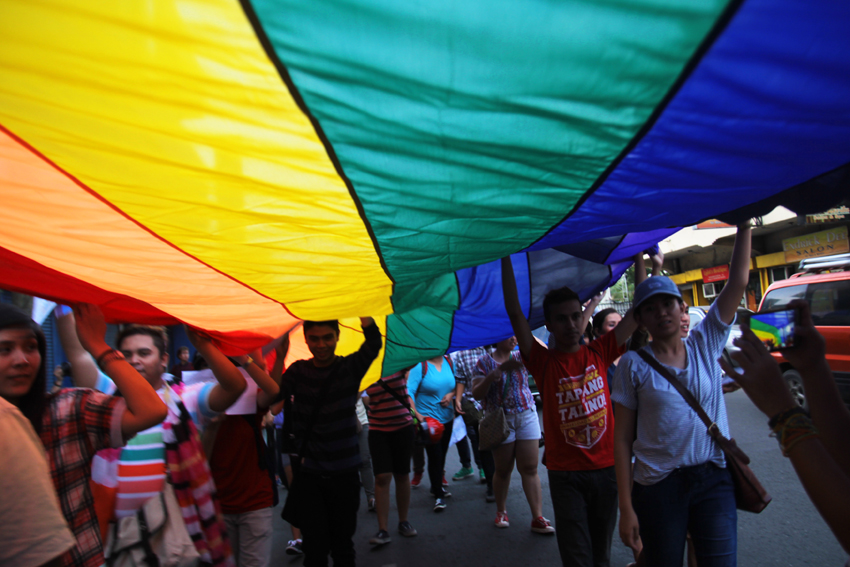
108 357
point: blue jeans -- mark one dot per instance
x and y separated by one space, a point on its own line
699 500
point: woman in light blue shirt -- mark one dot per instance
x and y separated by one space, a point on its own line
680 482
432 386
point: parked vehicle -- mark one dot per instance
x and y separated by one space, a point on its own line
699 313
828 295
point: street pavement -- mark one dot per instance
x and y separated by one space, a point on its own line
788 533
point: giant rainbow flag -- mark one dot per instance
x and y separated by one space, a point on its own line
240 166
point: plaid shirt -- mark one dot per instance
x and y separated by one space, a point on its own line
464 366
77 423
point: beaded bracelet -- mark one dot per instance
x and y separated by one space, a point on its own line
795 428
783 415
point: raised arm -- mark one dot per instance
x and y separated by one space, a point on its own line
84 368
269 388
231 383
281 350
519 323
640 269
144 407
825 478
739 275
657 262
829 414
589 307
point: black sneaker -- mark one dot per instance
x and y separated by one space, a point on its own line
439 505
490 497
294 547
405 529
380 538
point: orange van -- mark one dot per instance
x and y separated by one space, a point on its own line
828 295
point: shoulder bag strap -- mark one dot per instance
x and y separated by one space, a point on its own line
395 395
713 430
689 397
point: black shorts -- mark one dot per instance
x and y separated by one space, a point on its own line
391 450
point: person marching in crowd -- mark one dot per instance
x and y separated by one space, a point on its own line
143 468
184 363
288 462
241 469
325 493
577 417
501 380
74 423
391 438
464 362
679 482
367 475
434 394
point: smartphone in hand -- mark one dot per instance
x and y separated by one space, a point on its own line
775 327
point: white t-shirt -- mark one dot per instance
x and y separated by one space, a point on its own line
33 528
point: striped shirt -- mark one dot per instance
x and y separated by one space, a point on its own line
385 412
141 463
670 435
333 445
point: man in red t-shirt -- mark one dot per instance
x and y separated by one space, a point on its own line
577 419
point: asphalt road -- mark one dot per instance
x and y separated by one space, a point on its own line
788 533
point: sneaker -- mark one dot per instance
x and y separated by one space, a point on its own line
463 473
380 538
542 526
439 505
482 476
502 520
371 505
405 529
490 497
445 482
446 494
293 547
416 481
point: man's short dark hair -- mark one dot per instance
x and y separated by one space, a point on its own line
157 334
557 297
182 349
334 324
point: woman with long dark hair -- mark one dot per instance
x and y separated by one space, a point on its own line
73 423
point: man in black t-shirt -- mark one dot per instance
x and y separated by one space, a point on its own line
325 389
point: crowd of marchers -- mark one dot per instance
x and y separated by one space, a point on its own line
136 465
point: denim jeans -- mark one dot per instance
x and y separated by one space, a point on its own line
699 500
585 504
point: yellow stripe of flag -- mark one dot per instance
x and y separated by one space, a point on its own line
173 112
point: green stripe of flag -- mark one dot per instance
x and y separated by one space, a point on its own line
469 129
